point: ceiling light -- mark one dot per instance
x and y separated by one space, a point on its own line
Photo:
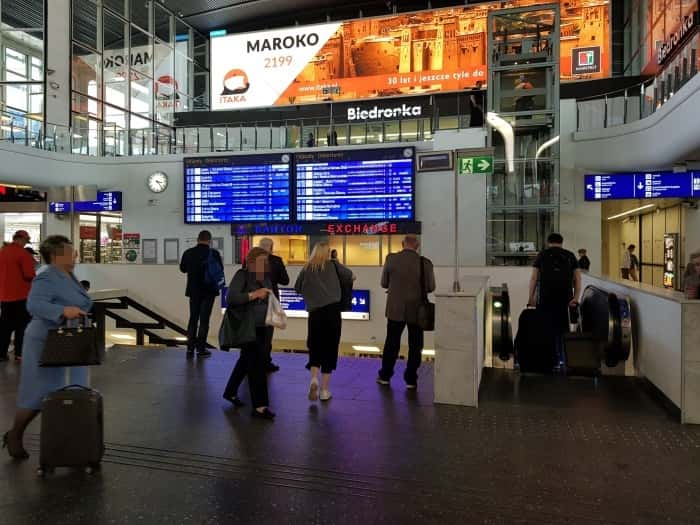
429 352
372 349
180 339
630 212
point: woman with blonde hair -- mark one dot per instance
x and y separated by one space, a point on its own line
321 283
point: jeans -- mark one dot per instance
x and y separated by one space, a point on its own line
392 346
252 363
13 318
198 326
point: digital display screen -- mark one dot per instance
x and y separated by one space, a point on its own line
294 306
250 188
643 185
106 201
357 185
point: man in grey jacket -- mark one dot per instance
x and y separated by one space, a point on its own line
402 278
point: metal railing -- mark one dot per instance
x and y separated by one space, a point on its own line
624 106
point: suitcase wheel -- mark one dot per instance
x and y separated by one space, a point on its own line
43 471
92 468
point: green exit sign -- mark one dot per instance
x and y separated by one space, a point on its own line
478 165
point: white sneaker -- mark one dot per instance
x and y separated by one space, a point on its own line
313 390
326 395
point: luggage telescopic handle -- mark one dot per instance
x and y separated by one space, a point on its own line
70 387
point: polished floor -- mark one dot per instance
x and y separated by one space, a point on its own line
545 450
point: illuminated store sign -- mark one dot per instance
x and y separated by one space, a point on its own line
676 39
327 228
377 113
585 60
419 53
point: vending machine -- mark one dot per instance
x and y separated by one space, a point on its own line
671 261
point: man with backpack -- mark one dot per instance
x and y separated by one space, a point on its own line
555 285
205 279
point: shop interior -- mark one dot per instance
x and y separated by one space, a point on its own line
100 238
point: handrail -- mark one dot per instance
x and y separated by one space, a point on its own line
622 91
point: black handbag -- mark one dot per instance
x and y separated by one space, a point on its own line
425 312
237 327
71 346
345 292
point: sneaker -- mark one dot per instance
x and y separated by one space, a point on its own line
384 382
326 395
313 390
203 353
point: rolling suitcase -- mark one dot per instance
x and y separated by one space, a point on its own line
581 349
534 343
71 430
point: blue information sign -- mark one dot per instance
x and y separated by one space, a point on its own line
106 201
359 185
643 185
249 188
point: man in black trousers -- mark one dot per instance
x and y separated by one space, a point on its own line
278 275
201 294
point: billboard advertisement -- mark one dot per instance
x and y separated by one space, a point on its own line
425 52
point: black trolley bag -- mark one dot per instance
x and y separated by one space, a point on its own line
534 343
581 349
72 432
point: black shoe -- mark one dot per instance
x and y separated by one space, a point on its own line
189 354
234 400
15 450
272 367
203 353
265 414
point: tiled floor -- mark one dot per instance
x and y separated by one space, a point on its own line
538 450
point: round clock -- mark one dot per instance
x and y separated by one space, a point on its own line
157 182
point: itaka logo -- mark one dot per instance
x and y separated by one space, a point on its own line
166 88
586 58
235 82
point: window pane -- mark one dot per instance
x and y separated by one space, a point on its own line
115 132
86 105
25 14
183 69
116 59
85 23
362 251
36 100
141 52
119 6
140 13
142 97
16 62
87 71
16 97
162 23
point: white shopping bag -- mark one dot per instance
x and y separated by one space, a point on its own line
275 315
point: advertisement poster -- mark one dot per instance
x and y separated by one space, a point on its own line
414 53
131 248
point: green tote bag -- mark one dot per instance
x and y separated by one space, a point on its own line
237 327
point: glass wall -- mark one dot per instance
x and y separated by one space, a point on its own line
134 65
22 75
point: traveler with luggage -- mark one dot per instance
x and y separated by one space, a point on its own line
205 279
278 275
55 297
555 285
408 278
247 300
325 285
17 269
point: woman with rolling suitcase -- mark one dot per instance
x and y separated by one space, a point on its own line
55 297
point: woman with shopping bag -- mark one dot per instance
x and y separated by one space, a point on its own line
244 326
326 286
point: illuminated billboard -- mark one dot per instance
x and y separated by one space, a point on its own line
432 51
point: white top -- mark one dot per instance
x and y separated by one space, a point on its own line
626 260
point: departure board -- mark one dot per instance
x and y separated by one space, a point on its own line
357 185
247 188
643 185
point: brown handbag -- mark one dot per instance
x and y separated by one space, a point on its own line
71 346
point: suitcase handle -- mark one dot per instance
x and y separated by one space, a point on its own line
70 387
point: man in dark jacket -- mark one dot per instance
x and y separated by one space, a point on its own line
201 294
584 263
278 275
402 278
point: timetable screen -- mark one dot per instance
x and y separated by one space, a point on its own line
356 185
250 188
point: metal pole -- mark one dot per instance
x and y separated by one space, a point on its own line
455 284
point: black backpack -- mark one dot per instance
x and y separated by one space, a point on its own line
556 275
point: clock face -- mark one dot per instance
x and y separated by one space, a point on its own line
157 182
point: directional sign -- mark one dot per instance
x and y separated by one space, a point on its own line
643 185
478 165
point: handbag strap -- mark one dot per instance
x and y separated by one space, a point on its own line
423 292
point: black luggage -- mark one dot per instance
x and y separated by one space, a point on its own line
581 349
534 343
71 429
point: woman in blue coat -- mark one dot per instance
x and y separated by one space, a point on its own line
55 297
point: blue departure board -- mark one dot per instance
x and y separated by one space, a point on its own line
106 201
248 188
357 185
643 185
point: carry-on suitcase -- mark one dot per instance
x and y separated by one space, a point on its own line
534 343
581 349
71 430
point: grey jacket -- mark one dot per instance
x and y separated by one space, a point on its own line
321 288
401 276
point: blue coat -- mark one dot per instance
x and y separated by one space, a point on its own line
51 291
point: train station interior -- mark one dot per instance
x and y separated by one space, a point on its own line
469 132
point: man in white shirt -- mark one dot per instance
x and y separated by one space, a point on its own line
627 268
